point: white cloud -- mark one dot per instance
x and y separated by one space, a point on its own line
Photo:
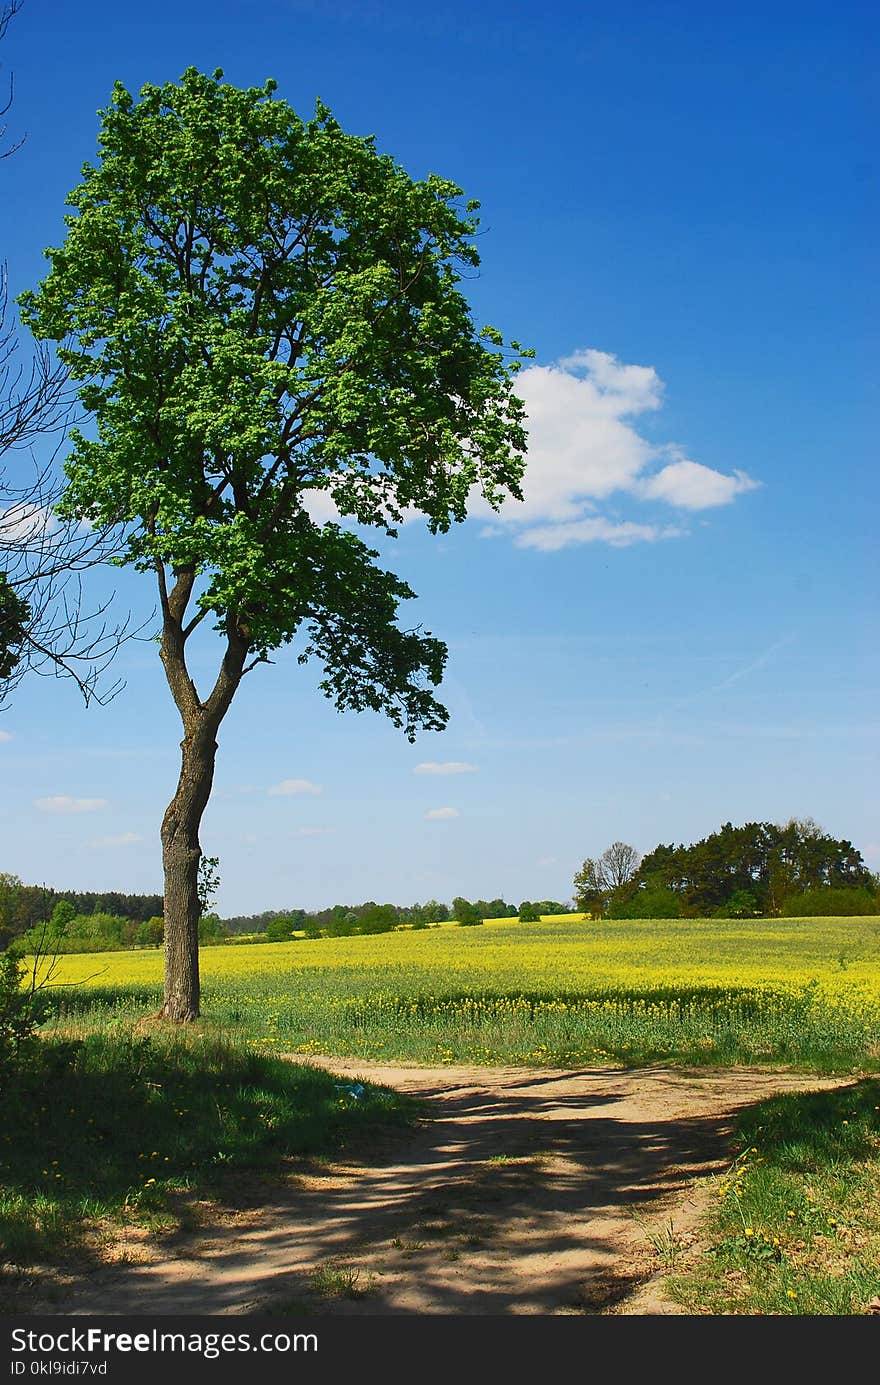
547 860
292 786
550 537
5 736
441 814
62 804
312 832
445 767
124 839
25 523
320 507
585 446
695 487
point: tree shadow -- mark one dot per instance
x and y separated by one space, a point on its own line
518 1199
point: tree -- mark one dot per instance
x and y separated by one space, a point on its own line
529 913
618 864
263 316
467 914
378 918
151 933
63 916
598 880
44 624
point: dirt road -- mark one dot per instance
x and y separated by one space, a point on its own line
525 1191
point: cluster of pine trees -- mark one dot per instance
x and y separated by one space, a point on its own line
793 870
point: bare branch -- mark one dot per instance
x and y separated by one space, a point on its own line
45 627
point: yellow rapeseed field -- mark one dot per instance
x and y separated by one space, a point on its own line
565 989
564 953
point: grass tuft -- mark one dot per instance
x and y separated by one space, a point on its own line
796 1228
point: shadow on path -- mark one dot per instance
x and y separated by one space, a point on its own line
521 1192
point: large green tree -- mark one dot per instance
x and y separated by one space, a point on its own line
262 312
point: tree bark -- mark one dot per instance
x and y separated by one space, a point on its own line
181 854
181 849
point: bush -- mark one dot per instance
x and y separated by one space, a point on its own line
467 914
741 905
529 913
378 918
17 1018
279 930
211 929
151 933
656 903
830 902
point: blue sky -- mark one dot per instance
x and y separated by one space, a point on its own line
679 626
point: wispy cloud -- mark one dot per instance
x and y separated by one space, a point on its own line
312 832
585 446
5 736
743 672
441 814
551 537
445 767
62 804
124 839
294 786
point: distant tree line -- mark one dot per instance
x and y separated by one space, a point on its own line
761 868
41 919
22 906
346 920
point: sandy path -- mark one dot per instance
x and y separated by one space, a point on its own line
527 1191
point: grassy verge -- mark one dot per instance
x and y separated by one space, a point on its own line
397 1016
796 1228
120 1127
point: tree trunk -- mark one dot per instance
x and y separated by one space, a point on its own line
181 854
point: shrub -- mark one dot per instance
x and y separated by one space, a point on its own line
151 933
279 930
467 914
655 903
378 918
741 905
17 1017
211 929
830 902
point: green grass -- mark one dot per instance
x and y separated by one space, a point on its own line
120 1126
422 1018
796 1229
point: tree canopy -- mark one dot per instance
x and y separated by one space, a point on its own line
263 316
